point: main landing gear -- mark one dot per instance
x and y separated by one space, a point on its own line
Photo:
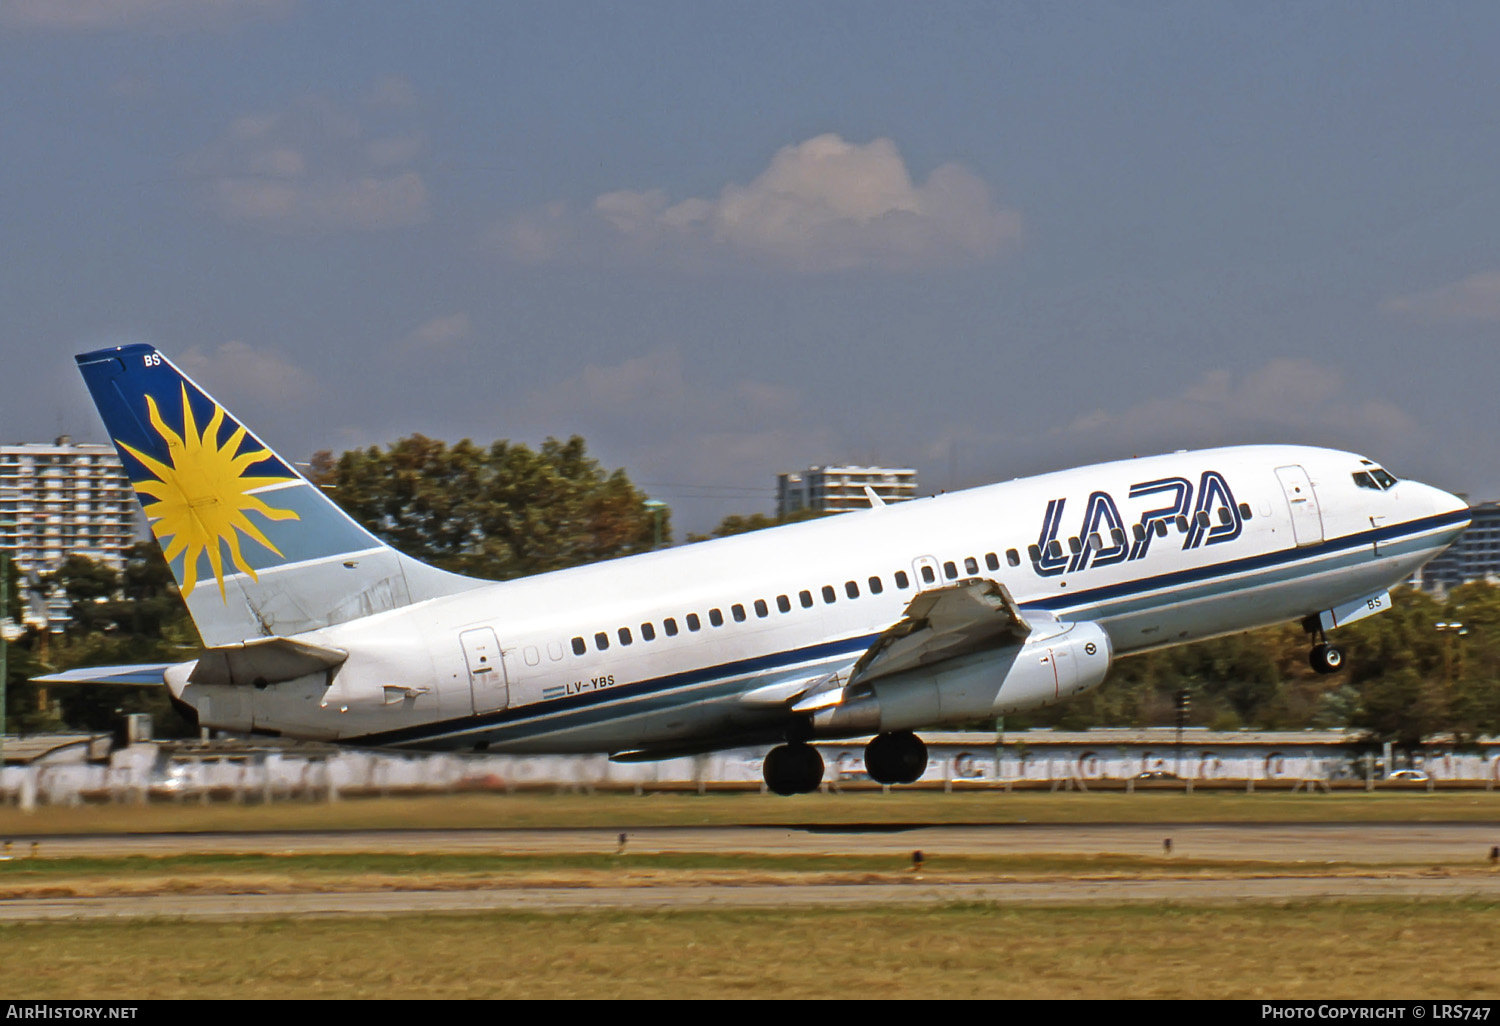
896 758
797 768
794 768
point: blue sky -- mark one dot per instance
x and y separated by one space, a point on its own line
722 240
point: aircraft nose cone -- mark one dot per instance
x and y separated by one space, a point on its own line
1447 504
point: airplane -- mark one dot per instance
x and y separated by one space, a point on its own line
931 613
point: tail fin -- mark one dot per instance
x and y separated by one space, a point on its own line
257 549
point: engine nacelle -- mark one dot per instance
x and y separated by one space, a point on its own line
1067 661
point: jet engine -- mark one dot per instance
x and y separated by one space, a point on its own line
1069 658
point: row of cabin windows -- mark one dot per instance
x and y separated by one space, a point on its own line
784 602
929 576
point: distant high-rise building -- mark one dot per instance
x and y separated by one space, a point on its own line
842 489
62 500
1474 557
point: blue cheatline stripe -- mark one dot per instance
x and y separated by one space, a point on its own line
580 709
657 687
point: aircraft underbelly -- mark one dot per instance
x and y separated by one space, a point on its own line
1251 601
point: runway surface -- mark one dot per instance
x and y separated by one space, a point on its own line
1455 856
1272 842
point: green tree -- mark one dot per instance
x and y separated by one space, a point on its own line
738 523
503 512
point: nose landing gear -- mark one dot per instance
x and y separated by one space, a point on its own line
1325 658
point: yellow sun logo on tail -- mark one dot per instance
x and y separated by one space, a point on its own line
203 495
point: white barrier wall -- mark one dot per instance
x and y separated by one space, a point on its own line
166 771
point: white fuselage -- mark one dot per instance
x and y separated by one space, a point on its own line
499 668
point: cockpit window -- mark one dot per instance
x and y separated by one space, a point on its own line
1375 479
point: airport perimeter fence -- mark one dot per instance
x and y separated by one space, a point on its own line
232 772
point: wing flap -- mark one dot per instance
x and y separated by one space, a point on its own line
944 623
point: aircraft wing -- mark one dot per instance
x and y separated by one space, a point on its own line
139 675
944 623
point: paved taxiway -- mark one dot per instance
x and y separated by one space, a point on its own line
565 899
1455 854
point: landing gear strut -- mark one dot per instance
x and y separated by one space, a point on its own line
896 758
1325 658
794 768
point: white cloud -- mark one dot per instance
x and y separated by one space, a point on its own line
166 15
821 205
441 332
1286 400
1475 298
238 374
313 168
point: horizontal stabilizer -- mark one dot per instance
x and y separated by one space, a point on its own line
263 662
140 675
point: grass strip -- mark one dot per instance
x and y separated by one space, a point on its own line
1372 950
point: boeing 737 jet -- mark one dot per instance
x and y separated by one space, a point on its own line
931 613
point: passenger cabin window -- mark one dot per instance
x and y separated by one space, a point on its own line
579 647
991 561
1203 518
715 617
738 612
902 581
601 641
928 576
693 622
554 650
648 632
671 627
1117 536
875 586
1034 553
1138 531
1075 545
760 608
1054 549
625 638
1225 517
828 594
1244 511
805 597
1182 524
971 565
783 603
851 589
950 570
1161 528
1095 541
1012 557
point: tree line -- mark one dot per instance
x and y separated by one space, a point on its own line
506 510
